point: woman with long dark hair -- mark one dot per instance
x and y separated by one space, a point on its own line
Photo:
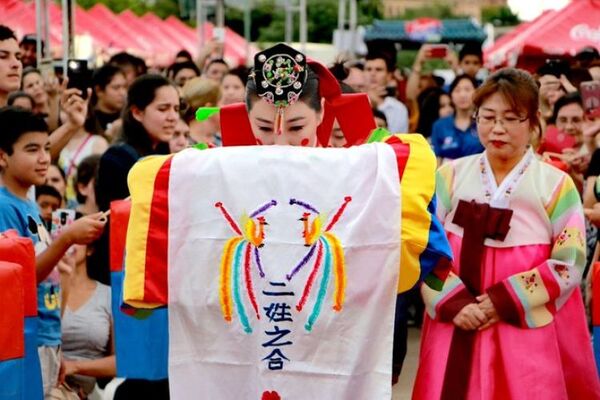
149 121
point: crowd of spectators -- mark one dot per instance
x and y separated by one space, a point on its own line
87 141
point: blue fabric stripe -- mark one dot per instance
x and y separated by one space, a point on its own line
32 377
596 333
235 281
437 243
322 287
523 299
11 380
141 345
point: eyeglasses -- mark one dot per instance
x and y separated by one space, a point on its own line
507 122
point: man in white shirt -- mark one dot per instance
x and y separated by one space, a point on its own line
378 72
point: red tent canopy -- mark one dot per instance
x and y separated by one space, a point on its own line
559 33
154 39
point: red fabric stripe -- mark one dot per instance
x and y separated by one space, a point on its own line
157 245
455 302
12 319
311 278
356 129
248 276
19 250
507 304
549 281
119 220
596 293
402 151
235 126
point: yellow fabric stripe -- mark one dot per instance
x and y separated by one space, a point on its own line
339 270
141 187
417 188
558 194
225 279
444 185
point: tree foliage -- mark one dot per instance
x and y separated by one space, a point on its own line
268 16
499 16
162 8
439 11
268 19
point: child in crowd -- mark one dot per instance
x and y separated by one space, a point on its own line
24 162
48 200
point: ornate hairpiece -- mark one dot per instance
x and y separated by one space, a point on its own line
279 74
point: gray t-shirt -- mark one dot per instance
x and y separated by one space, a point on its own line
86 331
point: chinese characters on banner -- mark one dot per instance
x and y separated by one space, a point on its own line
279 313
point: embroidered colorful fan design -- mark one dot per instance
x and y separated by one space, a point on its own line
246 244
327 247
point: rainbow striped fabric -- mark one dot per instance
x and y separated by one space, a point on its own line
20 251
141 339
266 254
426 254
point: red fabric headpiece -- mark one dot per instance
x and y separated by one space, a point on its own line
353 112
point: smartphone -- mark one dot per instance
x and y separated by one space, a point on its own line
438 51
219 34
79 75
61 218
46 68
555 141
590 94
556 67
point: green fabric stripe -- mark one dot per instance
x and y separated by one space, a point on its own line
434 282
378 135
441 190
567 201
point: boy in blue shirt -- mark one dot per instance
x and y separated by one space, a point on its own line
24 161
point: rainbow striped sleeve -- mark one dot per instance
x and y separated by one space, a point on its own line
443 189
530 298
444 304
145 283
425 250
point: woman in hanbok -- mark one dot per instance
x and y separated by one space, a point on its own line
509 322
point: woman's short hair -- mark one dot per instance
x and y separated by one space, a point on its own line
517 87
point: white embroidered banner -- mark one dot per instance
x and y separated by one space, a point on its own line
283 268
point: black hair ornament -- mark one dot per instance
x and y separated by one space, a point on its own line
279 74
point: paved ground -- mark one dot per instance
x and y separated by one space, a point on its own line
403 389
